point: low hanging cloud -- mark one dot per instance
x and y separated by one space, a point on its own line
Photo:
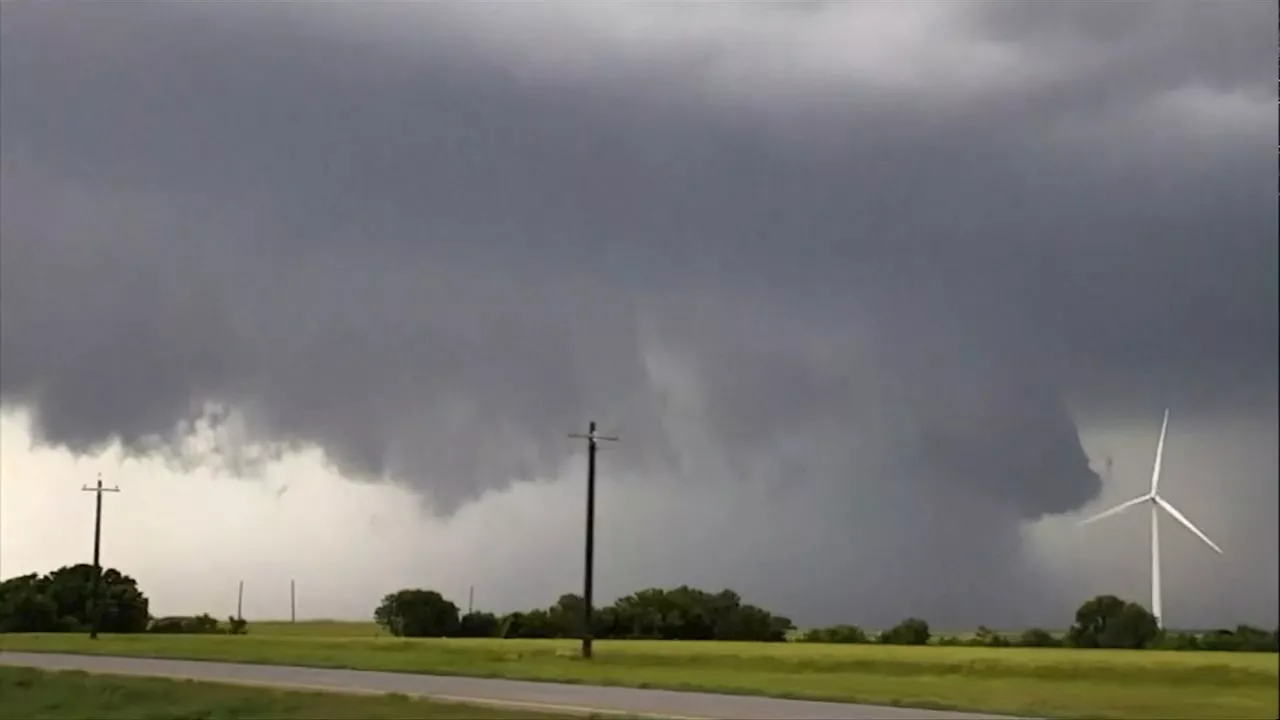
868 277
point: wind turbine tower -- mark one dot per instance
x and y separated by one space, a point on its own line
1156 503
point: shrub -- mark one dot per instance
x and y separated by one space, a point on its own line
986 637
912 631
845 634
1038 637
203 624
479 624
61 600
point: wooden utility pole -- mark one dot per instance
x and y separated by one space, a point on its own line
95 592
592 439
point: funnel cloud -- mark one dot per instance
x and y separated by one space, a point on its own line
870 264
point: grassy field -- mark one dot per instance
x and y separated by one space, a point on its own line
1023 681
27 694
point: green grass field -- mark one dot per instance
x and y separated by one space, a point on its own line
27 694
1022 681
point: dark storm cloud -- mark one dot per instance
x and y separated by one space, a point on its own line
433 263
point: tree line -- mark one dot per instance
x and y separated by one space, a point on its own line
686 613
683 613
1105 621
59 602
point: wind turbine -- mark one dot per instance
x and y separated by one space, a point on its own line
1156 502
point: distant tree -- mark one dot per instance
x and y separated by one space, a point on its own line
604 622
986 637
25 606
686 613
510 625
1038 637
59 602
565 617
537 624
1177 641
417 613
237 626
1245 638
203 624
847 634
478 625
1106 621
912 631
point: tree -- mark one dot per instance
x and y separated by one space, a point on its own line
59 602
566 616
203 624
1106 621
1245 638
986 637
417 613
686 613
847 634
912 631
25 607
478 625
1038 637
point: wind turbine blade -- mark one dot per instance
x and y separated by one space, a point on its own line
1183 519
1155 471
1117 509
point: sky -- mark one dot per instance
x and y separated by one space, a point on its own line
870 292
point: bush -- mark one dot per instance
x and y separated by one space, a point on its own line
479 625
912 631
1245 638
61 602
1038 637
1177 641
203 624
986 637
845 634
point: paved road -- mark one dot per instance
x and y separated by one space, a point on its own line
548 697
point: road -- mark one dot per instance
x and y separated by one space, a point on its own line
547 697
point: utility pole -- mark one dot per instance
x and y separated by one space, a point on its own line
471 598
592 439
240 602
95 592
293 603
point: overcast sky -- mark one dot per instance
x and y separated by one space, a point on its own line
869 290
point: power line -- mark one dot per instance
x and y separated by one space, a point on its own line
592 439
95 592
